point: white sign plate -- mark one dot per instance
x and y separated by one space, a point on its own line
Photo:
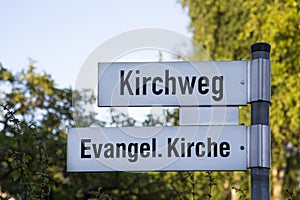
209 115
175 148
172 83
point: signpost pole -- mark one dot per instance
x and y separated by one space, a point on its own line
260 95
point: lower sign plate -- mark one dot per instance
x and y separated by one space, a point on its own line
157 148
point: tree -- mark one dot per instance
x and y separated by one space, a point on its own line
34 117
227 29
29 100
33 121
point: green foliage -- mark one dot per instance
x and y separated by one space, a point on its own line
241 192
27 168
99 195
33 121
226 29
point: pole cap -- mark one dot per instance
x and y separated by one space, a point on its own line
260 46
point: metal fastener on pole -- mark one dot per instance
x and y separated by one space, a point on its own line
260 95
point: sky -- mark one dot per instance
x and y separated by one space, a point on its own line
60 35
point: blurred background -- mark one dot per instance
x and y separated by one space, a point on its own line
42 48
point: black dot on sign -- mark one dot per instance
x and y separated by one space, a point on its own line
160 155
242 147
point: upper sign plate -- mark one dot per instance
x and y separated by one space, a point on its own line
172 83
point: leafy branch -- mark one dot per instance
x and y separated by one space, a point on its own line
291 194
34 182
211 183
99 195
242 192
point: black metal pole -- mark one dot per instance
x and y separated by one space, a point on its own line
260 178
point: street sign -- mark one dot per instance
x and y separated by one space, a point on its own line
172 83
208 93
157 148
